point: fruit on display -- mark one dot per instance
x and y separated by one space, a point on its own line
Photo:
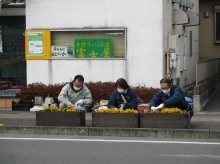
116 110
169 110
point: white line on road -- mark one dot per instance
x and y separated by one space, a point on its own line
194 156
106 140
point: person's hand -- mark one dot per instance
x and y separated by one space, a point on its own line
81 108
160 106
121 106
72 105
79 102
153 108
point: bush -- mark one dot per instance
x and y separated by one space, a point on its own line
99 90
145 94
39 89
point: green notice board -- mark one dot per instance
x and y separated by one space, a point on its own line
93 48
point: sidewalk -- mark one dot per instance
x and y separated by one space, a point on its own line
204 125
201 120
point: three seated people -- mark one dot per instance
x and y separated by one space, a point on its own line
77 95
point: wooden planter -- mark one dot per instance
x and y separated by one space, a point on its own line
60 118
122 120
164 120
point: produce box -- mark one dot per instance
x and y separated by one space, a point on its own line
120 120
60 118
165 120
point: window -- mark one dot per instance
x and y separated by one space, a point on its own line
88 44
217 24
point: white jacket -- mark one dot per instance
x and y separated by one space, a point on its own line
68 96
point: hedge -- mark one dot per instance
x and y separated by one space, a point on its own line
99 90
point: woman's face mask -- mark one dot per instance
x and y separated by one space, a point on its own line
165 88
166 91
120 90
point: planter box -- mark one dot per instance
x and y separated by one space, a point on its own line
164 120
123 120
60 118
22 105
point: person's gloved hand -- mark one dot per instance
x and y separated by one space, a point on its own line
160 106
153 108
121 106
81 108
79 102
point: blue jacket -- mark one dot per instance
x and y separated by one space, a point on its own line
116 100
174 99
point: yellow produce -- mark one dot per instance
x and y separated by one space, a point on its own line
57 109
116 110
169 110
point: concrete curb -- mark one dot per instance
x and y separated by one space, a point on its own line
114 132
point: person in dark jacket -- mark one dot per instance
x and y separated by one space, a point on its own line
123 97
170 96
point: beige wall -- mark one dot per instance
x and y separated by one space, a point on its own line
207 45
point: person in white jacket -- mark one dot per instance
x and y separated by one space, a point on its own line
75 94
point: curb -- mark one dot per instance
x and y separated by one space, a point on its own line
114 132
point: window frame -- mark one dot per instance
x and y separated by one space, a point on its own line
95 29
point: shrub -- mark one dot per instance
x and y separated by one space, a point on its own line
145 94
99 90
39 89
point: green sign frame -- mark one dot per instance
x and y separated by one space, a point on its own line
93 48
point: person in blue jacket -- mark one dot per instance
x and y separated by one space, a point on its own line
170 96
123 97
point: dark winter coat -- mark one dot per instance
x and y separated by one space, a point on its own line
175 98
116 99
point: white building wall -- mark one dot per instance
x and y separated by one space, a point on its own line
144 23
188 76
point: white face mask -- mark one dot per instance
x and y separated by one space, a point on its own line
166 91
120 90
76 88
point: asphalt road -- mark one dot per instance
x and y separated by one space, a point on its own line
64 150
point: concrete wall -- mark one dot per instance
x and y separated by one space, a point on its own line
207 30
12 12
188 76
141 18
